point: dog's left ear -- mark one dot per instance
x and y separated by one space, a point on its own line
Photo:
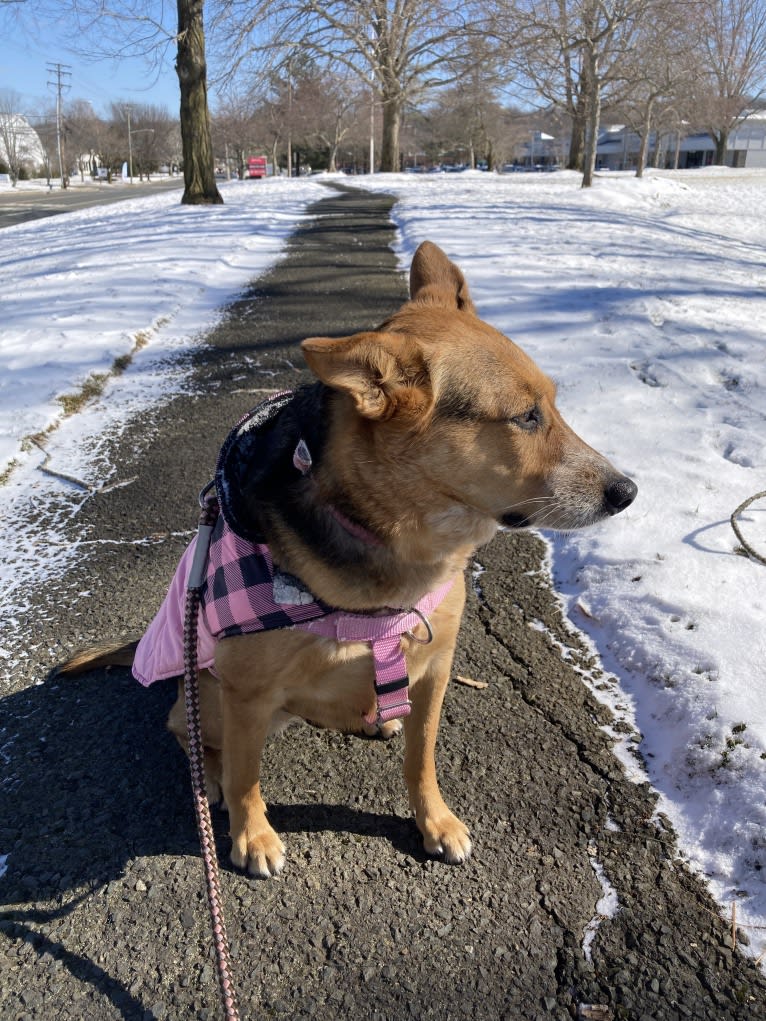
384 373
434 280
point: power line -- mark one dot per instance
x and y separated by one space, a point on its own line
62 72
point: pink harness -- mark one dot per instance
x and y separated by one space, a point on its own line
241 591
243 594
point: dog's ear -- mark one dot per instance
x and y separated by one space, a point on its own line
434 280
384 373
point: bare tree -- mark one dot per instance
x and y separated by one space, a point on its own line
235 131
657 74
731 38
570 53
471 104
82 128
333 104
197 145
399 49
142 28
110 143
467 124
149 141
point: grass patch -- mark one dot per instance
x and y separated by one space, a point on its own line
92 388
9 470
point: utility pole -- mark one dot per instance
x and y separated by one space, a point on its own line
127 110
372 130
61 73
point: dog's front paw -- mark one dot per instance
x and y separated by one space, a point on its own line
445 835
262 854
385 730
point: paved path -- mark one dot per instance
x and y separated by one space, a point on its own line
18 205
104 915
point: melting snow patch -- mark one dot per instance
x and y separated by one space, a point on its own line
477 570
607 907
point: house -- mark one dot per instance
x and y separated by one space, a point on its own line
20 146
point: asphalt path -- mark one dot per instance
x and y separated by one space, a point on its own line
19 205
104 914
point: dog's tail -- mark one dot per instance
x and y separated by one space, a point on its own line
95 656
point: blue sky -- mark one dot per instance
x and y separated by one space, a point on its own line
26 48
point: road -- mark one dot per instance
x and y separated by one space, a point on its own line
18 205
104 915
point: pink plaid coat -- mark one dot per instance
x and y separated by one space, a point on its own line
243 594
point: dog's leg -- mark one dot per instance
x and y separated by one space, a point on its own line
246 725
210 718
443 833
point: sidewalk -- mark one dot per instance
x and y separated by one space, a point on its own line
574 897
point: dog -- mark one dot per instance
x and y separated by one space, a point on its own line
372 489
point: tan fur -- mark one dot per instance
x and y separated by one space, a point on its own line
430 445
96 656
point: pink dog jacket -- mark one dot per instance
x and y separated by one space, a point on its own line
243 593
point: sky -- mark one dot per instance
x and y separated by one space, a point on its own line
30 43
644 299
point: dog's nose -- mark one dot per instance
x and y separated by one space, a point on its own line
620 494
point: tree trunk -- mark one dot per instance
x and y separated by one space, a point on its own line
658 152
199 165
593 106
392 119
646 128
576 142
721 139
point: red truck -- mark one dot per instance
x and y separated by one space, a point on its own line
256 166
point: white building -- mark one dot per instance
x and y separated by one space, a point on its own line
18 135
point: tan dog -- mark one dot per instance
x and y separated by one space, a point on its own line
436 430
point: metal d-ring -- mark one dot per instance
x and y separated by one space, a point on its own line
429 629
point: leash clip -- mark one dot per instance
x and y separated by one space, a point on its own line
204 498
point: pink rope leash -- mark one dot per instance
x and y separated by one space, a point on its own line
197 767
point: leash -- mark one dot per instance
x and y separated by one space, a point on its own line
382 633
733 519
207 519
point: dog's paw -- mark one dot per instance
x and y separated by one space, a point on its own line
390 729
262 855
446 836
385 730
214 792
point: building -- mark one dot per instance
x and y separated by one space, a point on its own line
19 143
618 147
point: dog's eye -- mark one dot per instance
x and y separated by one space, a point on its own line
529 420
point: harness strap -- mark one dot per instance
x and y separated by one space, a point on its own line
384 634
239 600
392 696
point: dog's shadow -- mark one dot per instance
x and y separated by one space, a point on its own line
92 779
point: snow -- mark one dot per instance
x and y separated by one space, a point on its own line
644 299
607 907
82 289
